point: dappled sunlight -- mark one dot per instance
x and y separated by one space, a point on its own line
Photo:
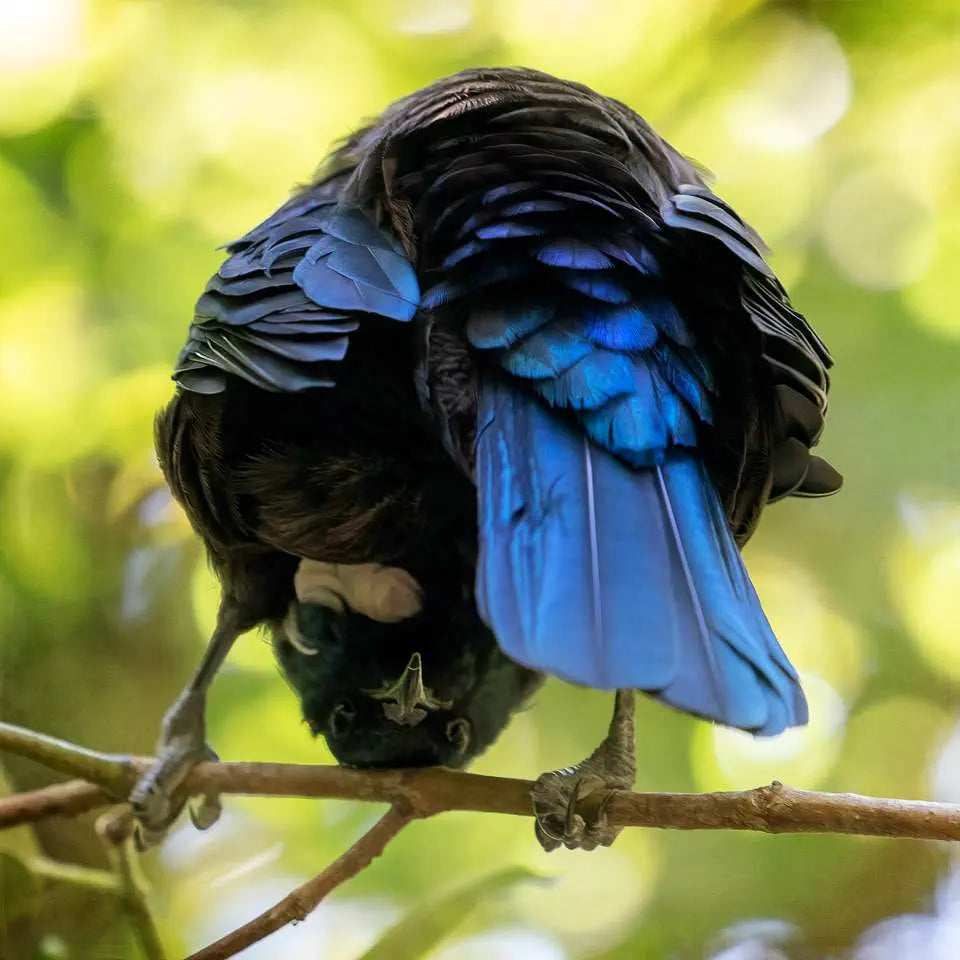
596 903
234 111
802 87
817 637
932 298
726 759
429 17
124 408
42 43
46 363
592 39
877 229
915 728
508 943
924 577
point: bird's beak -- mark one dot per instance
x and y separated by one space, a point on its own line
407 701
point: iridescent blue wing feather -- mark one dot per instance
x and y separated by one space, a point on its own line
280 310
606 556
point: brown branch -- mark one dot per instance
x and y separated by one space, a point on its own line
113 772
58 800
777 808
114 829
771 809
300 902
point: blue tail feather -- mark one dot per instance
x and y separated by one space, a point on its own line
613 576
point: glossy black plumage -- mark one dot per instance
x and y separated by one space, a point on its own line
499 226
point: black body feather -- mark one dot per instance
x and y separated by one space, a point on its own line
326 408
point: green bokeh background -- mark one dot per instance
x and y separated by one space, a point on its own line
135 137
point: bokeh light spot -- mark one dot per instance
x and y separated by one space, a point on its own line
877 230
933 297
891 746
509 943
724 758
431 16
817 638
45 366
802 87
41 42
617 883
923 573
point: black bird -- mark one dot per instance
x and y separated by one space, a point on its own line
499 393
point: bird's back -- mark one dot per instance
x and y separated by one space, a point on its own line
511 281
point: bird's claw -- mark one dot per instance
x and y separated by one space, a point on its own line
562 798
157 799
556 797
206 813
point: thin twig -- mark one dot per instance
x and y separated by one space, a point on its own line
302 901
111 771
58 800
114 829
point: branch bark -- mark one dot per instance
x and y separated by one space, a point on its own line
424 792
58 800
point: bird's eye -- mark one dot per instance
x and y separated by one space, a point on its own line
341 717
458 733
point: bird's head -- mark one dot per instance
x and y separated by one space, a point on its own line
394 674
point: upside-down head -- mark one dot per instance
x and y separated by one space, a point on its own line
396 671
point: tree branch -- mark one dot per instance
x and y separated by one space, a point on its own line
58 800
427 791
110 771
419 793
302 901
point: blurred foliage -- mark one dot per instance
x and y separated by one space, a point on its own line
136 136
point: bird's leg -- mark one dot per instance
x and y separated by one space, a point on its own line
182 745
612 766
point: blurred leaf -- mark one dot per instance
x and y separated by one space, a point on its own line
18 888
18 842
425 926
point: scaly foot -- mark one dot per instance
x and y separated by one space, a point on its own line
556 795
157 800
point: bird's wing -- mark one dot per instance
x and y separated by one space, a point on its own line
279 311
796 359
606 557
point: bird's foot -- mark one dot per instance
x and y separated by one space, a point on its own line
156 799
562 799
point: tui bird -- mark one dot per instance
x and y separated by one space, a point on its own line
499 394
